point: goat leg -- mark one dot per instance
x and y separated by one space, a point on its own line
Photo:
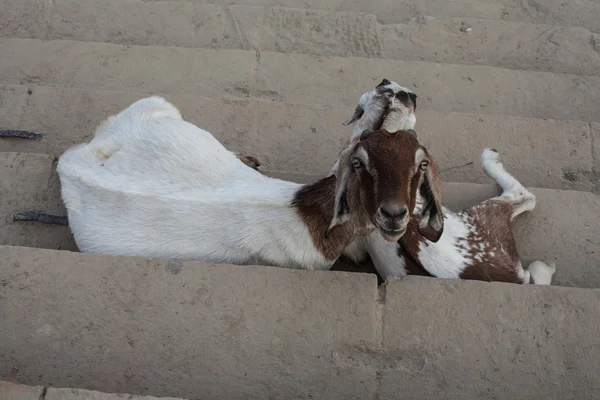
20 134
41 217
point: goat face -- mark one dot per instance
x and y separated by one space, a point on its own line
379 176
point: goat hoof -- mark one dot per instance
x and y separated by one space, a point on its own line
250 161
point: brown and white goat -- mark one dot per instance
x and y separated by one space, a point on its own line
476 243
150 184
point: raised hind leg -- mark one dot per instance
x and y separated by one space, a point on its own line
513 192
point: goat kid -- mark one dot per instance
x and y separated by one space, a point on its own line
150 184
476 243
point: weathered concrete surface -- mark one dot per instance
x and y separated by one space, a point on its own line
29 182
496 43
448 339
546 234
596 153
318 32
13 391
294 77
222 332
305 139
79 394
583 13
183 329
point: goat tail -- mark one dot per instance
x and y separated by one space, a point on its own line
541 273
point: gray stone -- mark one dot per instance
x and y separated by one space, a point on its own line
294 78
127 325
13 391
29 182
306 139
449 339
80 394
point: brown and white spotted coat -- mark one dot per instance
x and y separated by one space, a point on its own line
476 243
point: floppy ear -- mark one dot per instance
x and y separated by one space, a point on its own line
413 97
383 83
341 211
431 224
358 112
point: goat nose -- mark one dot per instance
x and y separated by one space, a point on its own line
393 211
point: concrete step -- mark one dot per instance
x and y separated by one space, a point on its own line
203 331
29 182
577 13
562 228
306 139
14 391
496 43
295 77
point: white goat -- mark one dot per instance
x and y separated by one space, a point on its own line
476 243
150 184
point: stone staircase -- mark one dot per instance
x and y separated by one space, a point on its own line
276 81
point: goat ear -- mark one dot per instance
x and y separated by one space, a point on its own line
341 210
358 112
383 83
413 98
431 224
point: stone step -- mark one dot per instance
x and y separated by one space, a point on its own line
505 44
295 78
14 391
577 13
204 331
306 139
29 182
562 228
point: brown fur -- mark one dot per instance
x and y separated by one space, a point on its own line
367 189
250 161
491 222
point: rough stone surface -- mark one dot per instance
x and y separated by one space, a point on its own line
295 78
596 155
498 43
213 332
133 325
553 12
13 391
308 31
79 394
305 139
29 182
469 340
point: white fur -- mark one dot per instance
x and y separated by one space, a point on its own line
541 272
374 105
150 184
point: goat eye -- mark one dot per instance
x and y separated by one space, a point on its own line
356 163
424 165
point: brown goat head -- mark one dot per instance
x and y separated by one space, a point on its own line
379 175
